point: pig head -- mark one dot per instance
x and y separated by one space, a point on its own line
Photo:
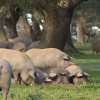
41 77
62 76
72 74
77 75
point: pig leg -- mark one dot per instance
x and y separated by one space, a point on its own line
57 81
13 80
15 74
22 82
5 92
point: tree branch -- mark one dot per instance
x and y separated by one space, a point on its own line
74 3
40 3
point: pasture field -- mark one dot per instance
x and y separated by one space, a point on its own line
89 62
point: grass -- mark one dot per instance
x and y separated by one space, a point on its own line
91 91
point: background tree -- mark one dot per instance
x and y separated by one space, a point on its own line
11 20
15 9
25 30
57 16
57 21
2 11
86 12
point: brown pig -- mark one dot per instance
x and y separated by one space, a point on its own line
19 46
6 44
95 46
33 45
51 61
5 77
50 58
25 40
20 63
77 75
56 64
40 77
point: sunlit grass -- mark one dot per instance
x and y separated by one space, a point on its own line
87 61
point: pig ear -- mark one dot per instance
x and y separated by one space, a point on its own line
47 77
1 66
86 74
79 74
66 57
51 75
31 73
38 75
63 72
47 80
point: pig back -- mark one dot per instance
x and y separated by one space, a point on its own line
6 44
5 66
50 57
18 60
24 40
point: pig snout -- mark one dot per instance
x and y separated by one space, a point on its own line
79 80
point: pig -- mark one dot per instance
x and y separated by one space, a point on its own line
5 77
49 57
41 77
20 64
50 61
6 44
54 62
61 76
72 74
25 40
95 46
19 46
33 45
77 75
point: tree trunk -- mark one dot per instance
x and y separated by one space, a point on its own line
55 29
15 13
69 47
2 34
11 27
56 21
25 30
62 33
36 28
81 32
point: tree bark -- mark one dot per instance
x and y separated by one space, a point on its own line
56 23
55 29
11 27
81 32
36 28
25 30
2 34
69 47
15 13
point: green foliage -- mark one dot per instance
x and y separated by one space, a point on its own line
91 91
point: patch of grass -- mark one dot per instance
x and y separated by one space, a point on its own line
87 61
